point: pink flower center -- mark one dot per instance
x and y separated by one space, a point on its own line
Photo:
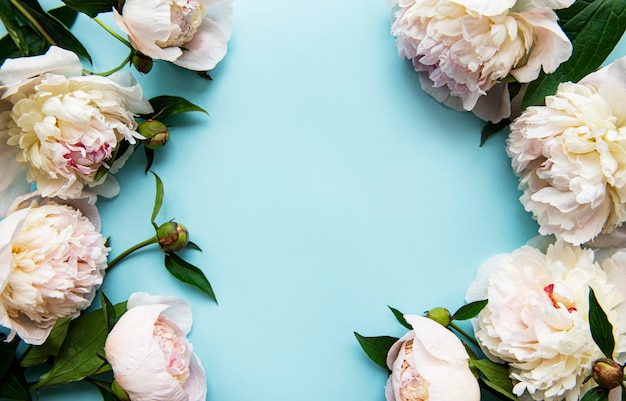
175 347
87 160
549 289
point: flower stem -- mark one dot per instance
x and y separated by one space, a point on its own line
109 72
464 334
130 250
112 32
33 21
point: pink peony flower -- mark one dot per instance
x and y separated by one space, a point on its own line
151 357
52 261
62 129
536 319
570 156
190 33
429 363
464 49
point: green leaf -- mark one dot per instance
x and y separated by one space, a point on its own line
596 394
13 384
490 129
167 106
623 392
400 317
376 348
158 199
601 328
51 28
65 15
495 376
188 273
7 353
40 353
105 390
91 7
594 28
108 310
470 310
149 158
78 357
12 26
193 246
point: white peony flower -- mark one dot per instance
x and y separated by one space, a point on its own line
151 357
537 317
52 261
463 49
190 33
570 156
429 363
62 128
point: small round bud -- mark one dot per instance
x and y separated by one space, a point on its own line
608 373
141 62
440 315
155 132
172 236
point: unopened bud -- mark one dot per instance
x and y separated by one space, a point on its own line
608 373
172 236
155 132
141 62
440 315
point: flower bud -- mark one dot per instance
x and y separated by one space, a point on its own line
172 236
155 132
141 62
440 315
608 373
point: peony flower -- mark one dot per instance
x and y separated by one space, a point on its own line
429 363
464 49
537 317
151 357
52 261
570 156
190 33
64 129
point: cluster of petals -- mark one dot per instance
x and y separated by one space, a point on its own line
464 49
536 318
150 354
60 129
570 156
52 261
425 361
193 34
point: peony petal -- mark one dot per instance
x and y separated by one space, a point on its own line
10 227
146 22
440 342
551 46
487 8
206 49
221 12
195 385
176 309
56 60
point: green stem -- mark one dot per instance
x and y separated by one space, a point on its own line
464 334
109 72
33 21
112 32
130 250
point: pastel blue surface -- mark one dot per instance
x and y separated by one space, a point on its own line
323 186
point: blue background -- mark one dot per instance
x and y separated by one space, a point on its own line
323 186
